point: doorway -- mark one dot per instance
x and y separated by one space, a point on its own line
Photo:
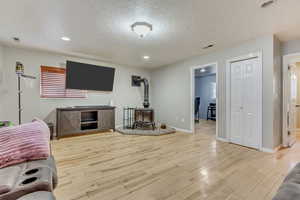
204 97
291 99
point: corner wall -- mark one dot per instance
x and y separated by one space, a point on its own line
171 87
33 106
277 94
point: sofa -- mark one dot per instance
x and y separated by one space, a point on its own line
29 177
27 168
290 188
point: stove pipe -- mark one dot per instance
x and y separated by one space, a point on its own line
146 103
136 82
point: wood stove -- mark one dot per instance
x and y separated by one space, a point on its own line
139 118
143 118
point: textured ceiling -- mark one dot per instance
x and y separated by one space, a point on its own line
101 28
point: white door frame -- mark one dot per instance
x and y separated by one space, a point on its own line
287 59
228 92
192 111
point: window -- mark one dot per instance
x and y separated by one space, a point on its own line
53 84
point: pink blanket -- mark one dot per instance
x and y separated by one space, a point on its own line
24 143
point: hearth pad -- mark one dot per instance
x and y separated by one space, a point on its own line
155 132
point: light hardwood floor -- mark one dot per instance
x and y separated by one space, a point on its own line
206 127
110 166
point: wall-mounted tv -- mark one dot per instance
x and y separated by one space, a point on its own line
82 76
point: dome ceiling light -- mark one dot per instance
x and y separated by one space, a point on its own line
141 28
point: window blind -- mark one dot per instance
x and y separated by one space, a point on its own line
53 84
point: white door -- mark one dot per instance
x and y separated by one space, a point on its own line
245 103
251 104
293 105
236 102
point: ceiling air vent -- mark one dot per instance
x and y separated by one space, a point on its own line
208 46
16 39
267 3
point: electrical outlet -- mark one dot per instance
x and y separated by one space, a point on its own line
182 120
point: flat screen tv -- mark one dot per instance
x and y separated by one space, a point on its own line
89 77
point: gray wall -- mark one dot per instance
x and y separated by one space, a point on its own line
277 102
1 81
290 47
203 89
122 95
171 87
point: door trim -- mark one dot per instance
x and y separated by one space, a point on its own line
228 93
287 60
192 108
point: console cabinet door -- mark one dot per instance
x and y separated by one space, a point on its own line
106 119
69 122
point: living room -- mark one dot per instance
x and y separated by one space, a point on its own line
98 100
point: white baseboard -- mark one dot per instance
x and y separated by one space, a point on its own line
222 139
267 150
182 130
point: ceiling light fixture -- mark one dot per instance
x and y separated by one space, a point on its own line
146 57
267 3
141 28
65 38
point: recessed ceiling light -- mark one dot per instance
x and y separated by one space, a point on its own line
203 70
141 28
146 57
267 3
65 38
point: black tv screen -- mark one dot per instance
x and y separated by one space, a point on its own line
89 77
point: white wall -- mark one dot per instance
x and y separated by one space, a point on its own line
33 106
171 87
1 81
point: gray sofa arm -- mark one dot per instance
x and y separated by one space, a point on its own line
23 179
290 188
